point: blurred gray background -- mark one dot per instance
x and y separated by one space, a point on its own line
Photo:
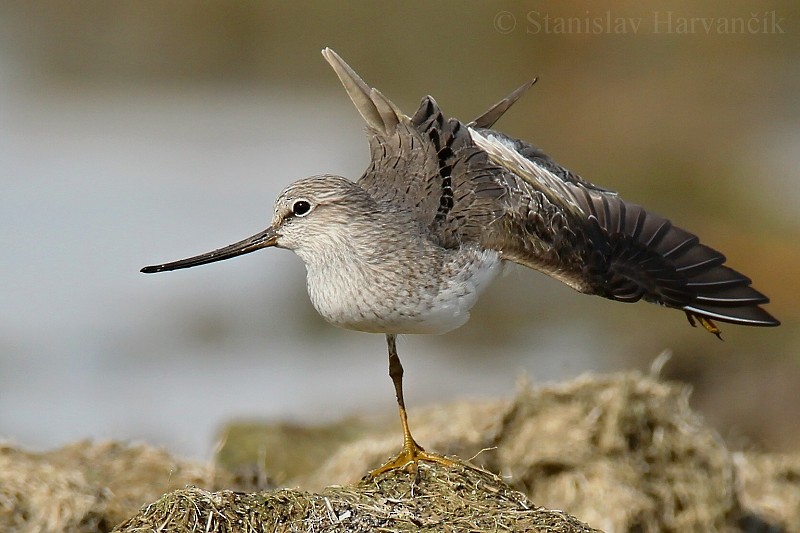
133 133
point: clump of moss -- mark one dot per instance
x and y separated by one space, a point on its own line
430 498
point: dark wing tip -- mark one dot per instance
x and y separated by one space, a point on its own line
647 257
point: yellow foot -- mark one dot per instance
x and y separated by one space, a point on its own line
411 455
705 322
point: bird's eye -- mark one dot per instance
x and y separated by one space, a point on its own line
301 208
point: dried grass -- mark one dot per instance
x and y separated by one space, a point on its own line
622 453
434 498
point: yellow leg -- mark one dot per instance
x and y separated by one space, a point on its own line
411 452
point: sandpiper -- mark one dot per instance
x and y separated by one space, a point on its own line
409 247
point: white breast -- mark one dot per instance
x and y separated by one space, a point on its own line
402 295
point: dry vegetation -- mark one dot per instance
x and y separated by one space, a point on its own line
620 453
431 499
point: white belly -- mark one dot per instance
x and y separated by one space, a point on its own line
400 297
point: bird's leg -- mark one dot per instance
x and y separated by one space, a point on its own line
396 373
411 452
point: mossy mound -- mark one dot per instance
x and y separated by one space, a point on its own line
432 498
621 453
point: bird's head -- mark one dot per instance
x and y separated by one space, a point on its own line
309 218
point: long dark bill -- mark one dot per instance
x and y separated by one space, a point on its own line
266 238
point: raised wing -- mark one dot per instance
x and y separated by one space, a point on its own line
470 184
426 164
598 243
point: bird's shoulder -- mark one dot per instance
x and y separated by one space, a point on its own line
430 165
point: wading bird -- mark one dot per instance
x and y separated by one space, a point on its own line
410 246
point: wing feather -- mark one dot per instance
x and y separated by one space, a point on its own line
611 247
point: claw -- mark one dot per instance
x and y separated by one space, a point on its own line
411 454
705 322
